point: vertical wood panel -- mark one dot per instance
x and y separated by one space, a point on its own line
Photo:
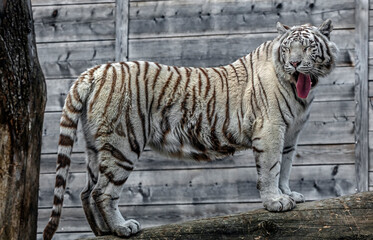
361 94
121 30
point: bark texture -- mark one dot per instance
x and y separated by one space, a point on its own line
22 104
349 217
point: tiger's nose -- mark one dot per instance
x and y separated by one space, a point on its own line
295 64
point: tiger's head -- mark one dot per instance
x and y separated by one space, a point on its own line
306 54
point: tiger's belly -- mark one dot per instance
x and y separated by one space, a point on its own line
187 143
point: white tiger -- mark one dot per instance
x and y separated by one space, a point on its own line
261 101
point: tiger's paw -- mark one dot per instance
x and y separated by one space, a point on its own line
298 197
128 228
279 203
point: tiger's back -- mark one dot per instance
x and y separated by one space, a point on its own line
261 101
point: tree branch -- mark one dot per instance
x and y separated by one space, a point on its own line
348 217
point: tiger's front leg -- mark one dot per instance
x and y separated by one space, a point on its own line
268 140
286 164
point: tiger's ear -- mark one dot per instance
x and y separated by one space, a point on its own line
281 28
326 28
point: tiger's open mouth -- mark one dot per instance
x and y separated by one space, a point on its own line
304 83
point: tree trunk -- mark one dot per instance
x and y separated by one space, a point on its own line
22 104
349 217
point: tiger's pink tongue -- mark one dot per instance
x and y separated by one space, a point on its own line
303 85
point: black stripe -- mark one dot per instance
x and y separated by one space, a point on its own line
274 165
267 49
122 95
156 75
264 92
55 215
251 103
239 122
134 145
199 84
221 78
111 177
280 110
57 201
146 84
300 101
243 64
194 100
261 95
65 141
102 83
176 86
60 182
207 81
62 161
252 81
114 82
163 91
127 168
70 107
287 103
91 175
288 149
67 122
139 110
115 153
235 72
257 150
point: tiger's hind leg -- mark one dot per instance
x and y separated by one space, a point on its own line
91 211
114 170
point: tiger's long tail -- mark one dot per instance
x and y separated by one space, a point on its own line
71 113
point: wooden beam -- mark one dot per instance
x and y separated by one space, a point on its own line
361 94
349 217
121 30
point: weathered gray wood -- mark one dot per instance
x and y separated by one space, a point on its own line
349 217
208 185
370 151
194 18
328 132
121 30
74 22
70 59
361 95
73 219
370 89
59 2
94 20
57 92
370 114
205 51
69 235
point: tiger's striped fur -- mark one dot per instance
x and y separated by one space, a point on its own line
194 113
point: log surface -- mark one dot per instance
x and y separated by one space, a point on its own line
348 217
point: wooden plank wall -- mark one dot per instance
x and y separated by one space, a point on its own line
361 95
370 74
76 34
